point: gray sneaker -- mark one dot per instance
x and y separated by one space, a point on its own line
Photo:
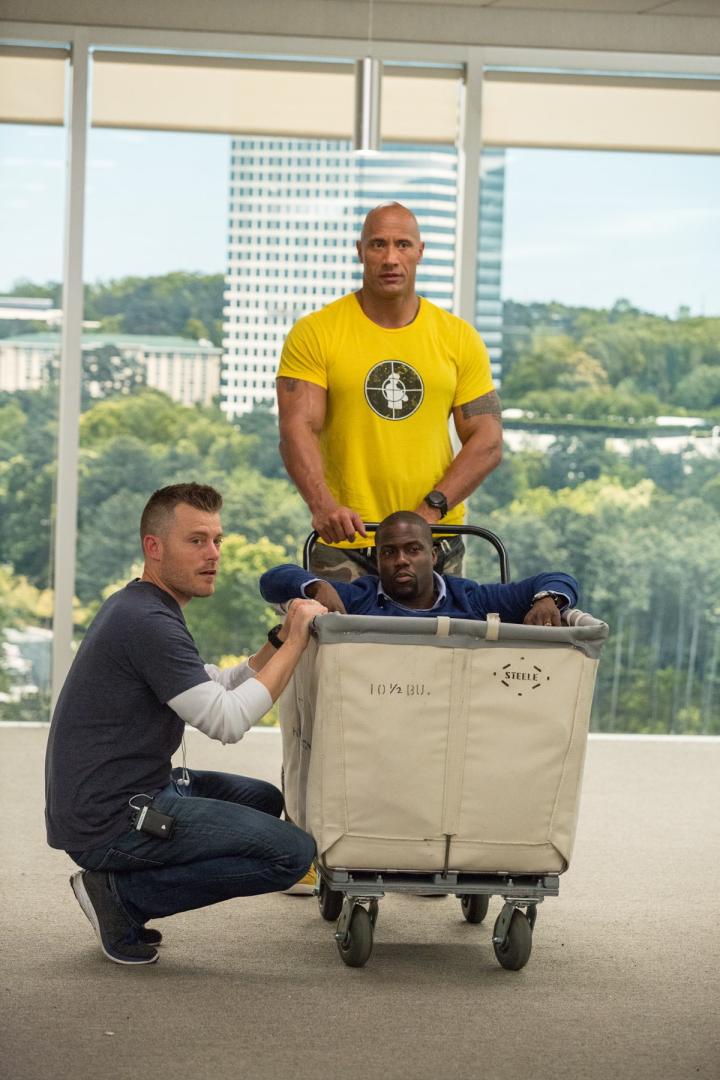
119 939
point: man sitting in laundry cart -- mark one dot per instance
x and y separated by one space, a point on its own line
407 584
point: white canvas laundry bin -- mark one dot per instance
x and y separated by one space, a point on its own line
435 744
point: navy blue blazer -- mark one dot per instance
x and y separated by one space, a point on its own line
464 599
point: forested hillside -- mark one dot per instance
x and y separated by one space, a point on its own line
617 364
614 363
638 528
179 303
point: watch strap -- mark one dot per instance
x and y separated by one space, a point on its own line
273 637
438 501
559 600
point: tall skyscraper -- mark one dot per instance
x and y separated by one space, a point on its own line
488 282
296 208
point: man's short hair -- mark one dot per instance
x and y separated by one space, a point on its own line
403 517
161 505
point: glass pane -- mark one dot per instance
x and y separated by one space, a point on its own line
296 209
608 267
202 250
152 356
31 223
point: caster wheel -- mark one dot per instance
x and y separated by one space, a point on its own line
330 903
515 953
356 948
475 907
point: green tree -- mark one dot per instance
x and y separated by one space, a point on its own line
130 446
21 605
261 426
108 542
107 373
700 389
164 304
148 416
195 328
235 619
550 348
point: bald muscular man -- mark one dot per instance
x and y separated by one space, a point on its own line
366 387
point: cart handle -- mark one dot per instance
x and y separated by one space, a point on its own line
437 530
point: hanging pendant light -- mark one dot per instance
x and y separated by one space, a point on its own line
368 82
368 76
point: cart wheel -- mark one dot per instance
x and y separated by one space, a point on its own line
356 948
475 906
515 953
329 902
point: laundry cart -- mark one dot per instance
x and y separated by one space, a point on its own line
439 755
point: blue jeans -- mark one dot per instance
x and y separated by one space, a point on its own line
228 840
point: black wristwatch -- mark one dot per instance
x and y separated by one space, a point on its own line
273 638
437 501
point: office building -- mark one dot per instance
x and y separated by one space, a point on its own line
488 281
187 371
296 208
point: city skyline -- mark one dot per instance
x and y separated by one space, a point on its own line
581 228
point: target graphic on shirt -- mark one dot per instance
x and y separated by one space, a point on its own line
393 389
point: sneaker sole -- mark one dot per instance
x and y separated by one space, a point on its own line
78 887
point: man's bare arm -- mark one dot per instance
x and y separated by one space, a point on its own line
301 408
486 405
479 427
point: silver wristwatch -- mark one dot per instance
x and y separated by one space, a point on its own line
560 600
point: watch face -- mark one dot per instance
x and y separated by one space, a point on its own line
437 501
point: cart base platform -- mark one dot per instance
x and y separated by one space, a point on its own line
352 897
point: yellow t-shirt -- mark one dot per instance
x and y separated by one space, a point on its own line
385 442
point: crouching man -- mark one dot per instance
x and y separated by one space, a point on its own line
153 841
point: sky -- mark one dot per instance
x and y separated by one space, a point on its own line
581 227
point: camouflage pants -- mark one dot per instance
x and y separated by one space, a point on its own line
346 564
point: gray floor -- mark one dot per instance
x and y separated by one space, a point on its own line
623 980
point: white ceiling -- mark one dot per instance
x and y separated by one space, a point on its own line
611 7
662 28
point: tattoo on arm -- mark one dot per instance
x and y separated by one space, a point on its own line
487 405
287 384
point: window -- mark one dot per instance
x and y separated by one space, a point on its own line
31 215
605 269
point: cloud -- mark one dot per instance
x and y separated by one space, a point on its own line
31 163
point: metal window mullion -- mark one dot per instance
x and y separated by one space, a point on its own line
467 224
70 362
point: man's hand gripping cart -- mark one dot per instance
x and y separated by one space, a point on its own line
437 755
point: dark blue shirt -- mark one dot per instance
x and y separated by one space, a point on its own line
112 734
464 599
